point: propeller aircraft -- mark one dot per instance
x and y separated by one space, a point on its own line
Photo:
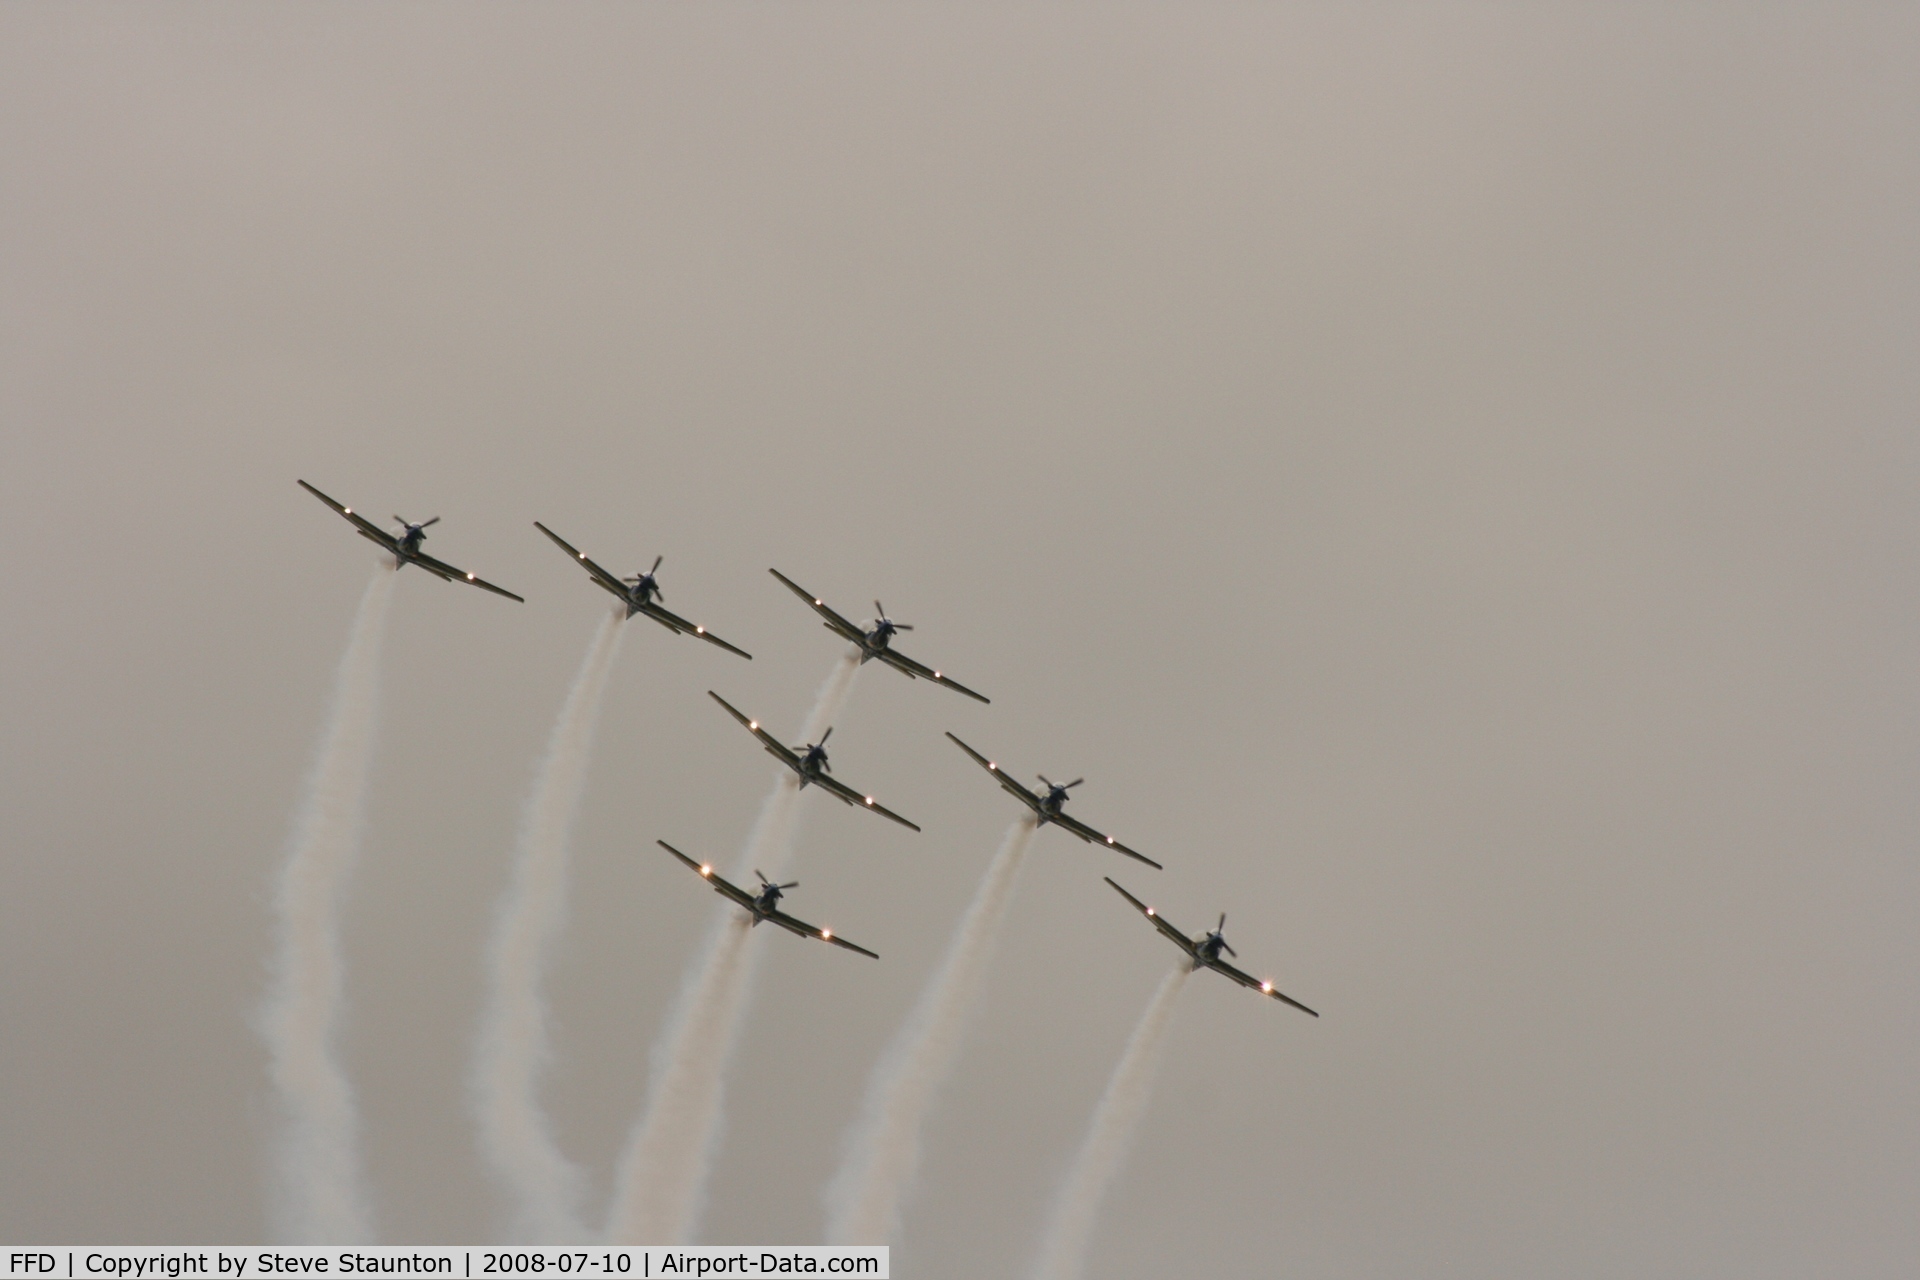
810 762
1048 808
876 640
1204 951
405 548
764 905
640 594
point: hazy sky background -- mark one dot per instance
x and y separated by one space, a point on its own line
1448 477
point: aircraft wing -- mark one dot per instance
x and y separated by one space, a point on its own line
1025 796
721 886
674 622
597 573
452 574
1264 988
1178 938
777 748
901 662
835 622
367 528
858 800
805 930
1091 836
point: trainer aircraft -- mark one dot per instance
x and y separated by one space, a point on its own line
405 548
876 640
1048 808
1204 951
810 762
640 594
764 905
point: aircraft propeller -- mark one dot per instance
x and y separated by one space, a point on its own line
882 620
641 577
766 883
820 746
423 524
1050 784
1223 942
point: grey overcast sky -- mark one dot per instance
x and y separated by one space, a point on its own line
1447 475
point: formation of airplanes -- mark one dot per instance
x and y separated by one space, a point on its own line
640 594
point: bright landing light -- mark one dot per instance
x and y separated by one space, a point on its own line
1267 987
869 799
706 871
826 935
753 724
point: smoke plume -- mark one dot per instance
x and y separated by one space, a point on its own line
661 1189
1063 1250
882 1149
320 1199
515 1135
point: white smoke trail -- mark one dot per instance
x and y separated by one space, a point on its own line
513 1049
661 1189
882 1149
320 1199
1063 1251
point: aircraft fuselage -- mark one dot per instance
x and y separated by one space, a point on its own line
873 642
640 594
812 764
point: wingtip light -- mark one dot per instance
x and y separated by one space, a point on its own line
826 935
706 870
470 578
869 799
699 631
1149 910
753 724
1267 987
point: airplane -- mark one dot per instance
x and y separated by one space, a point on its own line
405 548
876 641
810 762
1047 808
764 905
639 593
1205 951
